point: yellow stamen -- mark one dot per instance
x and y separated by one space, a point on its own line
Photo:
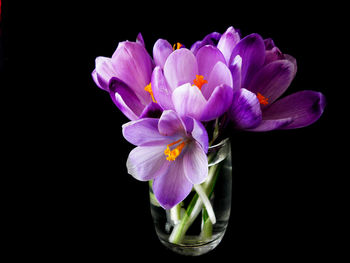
173 154
178 45
148 88
263 100
199 81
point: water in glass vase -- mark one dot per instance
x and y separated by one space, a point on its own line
192 228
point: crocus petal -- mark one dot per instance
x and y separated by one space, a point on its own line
273 55
220 75
207 57
188 101
273 79
133 65
152 110
180 68
252 51
269 125
104 71
139 39
147 162
269 44
199 133
188 121
218 103
94 77
123 107
245 109
144 132
227 42
195 163
172 187
303 107
209 39
125 99
161 90
293 60
170 123
161 50
236 72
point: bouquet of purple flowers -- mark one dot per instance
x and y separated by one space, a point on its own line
183 100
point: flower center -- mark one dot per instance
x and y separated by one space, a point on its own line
174 153
199 81
148 88
263 100
178 45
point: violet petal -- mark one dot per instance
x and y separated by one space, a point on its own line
133 65
189 101
161 50
207 57
144 132
188 122
125 99
195 163
161 90
199 133
180 68
269 44
303 107
273 79
172 187
273 55
252 51
209 39
170 123
293 60
104 72
245 109
147 162
227 42
152 110
139 39
218 103
218 76
94 77
236 72
269 125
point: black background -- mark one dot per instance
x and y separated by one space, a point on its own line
73 196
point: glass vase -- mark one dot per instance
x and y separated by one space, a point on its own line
189 227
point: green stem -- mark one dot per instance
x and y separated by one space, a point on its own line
195 207
207 226
216 132
175 213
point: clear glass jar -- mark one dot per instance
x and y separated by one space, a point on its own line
188 228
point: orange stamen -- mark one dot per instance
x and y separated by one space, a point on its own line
199 81
178 45
148 88
263 100
173 154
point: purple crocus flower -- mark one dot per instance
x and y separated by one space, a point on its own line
161 51
225 42
198 86
126 76
171 151
263 74
206 68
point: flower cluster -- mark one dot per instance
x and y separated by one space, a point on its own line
171 98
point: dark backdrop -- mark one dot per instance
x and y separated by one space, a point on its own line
84 205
